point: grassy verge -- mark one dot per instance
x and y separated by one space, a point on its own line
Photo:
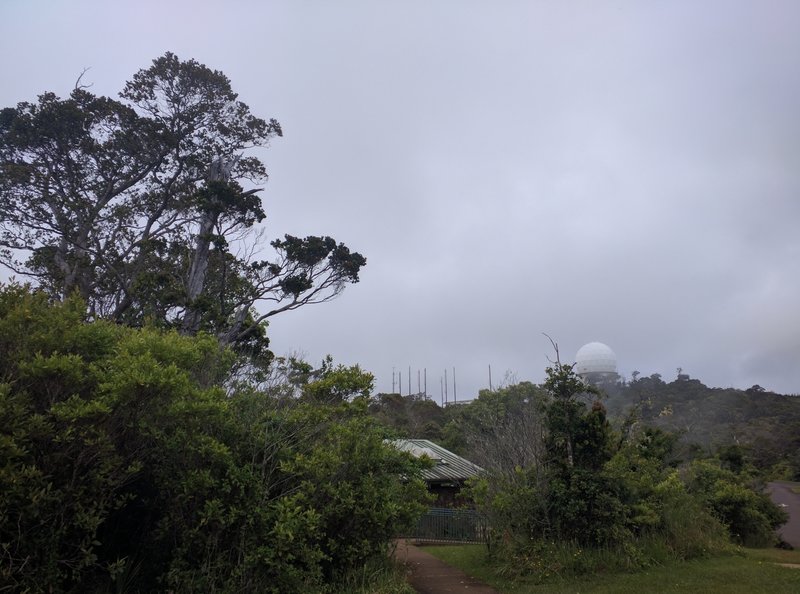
380 576
754 571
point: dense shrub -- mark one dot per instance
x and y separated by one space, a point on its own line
344 480
595 501
124 465
738 500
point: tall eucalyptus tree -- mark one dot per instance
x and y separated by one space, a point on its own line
139 205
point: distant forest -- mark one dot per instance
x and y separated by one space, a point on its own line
761 426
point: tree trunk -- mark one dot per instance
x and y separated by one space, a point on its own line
197 273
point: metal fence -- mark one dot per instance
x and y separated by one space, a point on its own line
451 525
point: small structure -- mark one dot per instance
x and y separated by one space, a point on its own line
449 473
596 363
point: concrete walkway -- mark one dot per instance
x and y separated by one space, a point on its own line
429 575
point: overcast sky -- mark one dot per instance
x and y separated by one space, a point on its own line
620 171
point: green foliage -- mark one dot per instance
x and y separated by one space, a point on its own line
569 429
59 472
363 489
738 501
595 500
124 464
334 385
137 204
413 416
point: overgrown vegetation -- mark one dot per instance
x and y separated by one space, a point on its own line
124 465
568 492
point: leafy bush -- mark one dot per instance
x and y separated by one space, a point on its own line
124 465
737 501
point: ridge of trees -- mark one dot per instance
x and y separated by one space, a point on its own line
764 425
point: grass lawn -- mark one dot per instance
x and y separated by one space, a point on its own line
754 571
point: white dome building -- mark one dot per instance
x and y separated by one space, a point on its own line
595 362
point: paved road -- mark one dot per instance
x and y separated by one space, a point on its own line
428 575
781 494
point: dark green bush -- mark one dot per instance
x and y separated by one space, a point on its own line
738 500
124 465
596 502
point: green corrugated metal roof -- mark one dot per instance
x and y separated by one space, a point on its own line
449 466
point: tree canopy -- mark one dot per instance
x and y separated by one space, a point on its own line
147 206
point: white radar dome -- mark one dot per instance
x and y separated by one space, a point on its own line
595 357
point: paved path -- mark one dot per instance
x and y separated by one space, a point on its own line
781 494
429 575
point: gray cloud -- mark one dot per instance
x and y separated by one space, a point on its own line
617 171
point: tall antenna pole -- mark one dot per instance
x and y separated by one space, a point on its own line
419 385
400 379
490 379
426 383
445 386
393 392
441 390
409 380
455 396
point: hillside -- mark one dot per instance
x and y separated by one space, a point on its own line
765 426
